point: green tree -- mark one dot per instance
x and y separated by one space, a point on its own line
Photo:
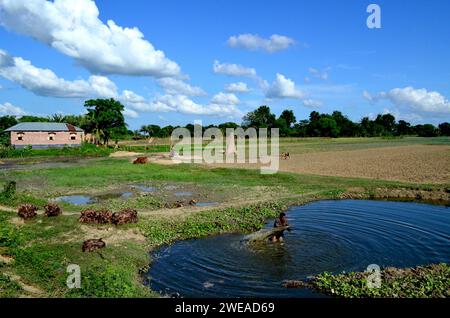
346 127
426 130
106 118
387 122
328 127
30 119
166 131
289 117
283 127
5 123
403 128
259 118
444 129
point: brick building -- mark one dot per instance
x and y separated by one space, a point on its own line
45 135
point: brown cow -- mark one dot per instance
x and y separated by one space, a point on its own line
140 160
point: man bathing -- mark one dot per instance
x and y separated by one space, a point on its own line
280 222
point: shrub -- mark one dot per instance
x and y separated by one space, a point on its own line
9 190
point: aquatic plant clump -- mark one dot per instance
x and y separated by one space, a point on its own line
432 281
52 209
27 211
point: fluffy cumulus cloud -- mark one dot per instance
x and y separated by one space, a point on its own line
130 113
73 28
233 69
175 86
254 42
221 105
420 100
239 87
10 109
225 99
45 82
284 87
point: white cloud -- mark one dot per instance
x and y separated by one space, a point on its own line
323 75
73 28
225 99
416 99
221 105
233 69
45 83
175 86
311 103
254 42
10 109
130 113
284 87
414 118
239 87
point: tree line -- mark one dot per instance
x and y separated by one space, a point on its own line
105 121
338 125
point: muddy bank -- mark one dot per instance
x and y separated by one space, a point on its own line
441 196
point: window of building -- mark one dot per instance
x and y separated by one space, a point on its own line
20 136
51 137
73 136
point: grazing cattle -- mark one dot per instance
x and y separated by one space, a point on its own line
93 245
285 155
27 211
140 160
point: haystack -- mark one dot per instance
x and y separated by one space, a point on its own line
124 217
93 245
27 211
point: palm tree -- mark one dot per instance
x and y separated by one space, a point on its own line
145 130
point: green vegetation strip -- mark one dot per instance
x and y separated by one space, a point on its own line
430 281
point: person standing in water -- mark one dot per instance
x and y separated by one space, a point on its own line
281 221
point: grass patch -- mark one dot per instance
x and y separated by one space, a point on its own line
85 150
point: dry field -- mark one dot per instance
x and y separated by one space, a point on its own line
418 163
426 164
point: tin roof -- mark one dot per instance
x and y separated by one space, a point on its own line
44 127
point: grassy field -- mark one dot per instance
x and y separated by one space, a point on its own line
34 254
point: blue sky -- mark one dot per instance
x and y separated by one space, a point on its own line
299 55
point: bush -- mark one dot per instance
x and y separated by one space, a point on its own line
9 191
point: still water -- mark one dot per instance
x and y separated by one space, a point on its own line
332 236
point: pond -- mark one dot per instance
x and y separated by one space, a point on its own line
331 236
